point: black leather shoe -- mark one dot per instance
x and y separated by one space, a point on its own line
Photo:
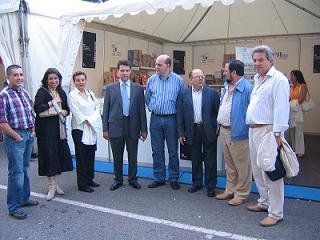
194 189
86 189
155 184
94 184
18 215
135 185
211 193
31 203
115 186
175 185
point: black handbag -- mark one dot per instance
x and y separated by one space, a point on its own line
279 172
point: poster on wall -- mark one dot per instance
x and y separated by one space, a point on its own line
245 55
316 59
89 50
178 62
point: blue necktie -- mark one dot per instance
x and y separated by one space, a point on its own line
125 100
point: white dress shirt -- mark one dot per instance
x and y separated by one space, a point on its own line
197 105
269 101
226 104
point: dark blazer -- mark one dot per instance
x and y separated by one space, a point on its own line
113 115
185 114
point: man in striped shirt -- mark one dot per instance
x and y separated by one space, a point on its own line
16 122
161 95
268 112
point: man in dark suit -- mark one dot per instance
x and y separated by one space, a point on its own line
197 126
124 121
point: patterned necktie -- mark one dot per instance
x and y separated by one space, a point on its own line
125 100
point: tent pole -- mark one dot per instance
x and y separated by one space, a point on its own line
24 43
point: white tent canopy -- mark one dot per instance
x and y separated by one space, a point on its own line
189 21
171 21
197 20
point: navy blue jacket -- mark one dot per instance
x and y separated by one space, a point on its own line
209 111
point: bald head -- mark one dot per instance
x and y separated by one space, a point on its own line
163 66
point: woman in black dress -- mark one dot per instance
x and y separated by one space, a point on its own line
53 151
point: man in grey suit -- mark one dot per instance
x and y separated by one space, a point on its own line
124 121
197 111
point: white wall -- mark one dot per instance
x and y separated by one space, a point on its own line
311 119
168 50
94 75
299 51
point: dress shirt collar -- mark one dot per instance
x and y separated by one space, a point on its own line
195 91
124 82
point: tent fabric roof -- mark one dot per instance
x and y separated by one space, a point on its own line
200 20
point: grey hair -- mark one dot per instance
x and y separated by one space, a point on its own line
266 50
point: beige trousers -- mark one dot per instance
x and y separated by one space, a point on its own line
238 166
271 193
297 138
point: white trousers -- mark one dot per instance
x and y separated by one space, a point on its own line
297 138
271 193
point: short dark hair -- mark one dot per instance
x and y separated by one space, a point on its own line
49 71
124 63
238 66
77 73
11 67
299 76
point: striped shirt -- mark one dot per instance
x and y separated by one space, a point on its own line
269 101
161 95
16 108
197 105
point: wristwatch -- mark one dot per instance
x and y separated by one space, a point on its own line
277 134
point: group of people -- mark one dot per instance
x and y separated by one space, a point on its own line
195 116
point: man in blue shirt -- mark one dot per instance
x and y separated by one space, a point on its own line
161 95
234 131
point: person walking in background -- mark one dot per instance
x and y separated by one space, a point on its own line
86 123
51 107
268 112
234 131
16 123
197 109
162 91
298 94
124 121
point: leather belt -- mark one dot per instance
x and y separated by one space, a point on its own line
197 125
226 127
257 125
163 115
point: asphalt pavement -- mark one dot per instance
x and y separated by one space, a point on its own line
160 213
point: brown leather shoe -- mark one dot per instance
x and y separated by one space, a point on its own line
236 201
269 222
224 196
256 208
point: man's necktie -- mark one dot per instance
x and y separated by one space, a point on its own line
125 100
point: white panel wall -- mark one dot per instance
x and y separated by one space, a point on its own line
209 59
290 46
94 75
311 119
299 52
168 50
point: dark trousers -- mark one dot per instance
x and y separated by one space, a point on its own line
117 146
85 155
209 156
